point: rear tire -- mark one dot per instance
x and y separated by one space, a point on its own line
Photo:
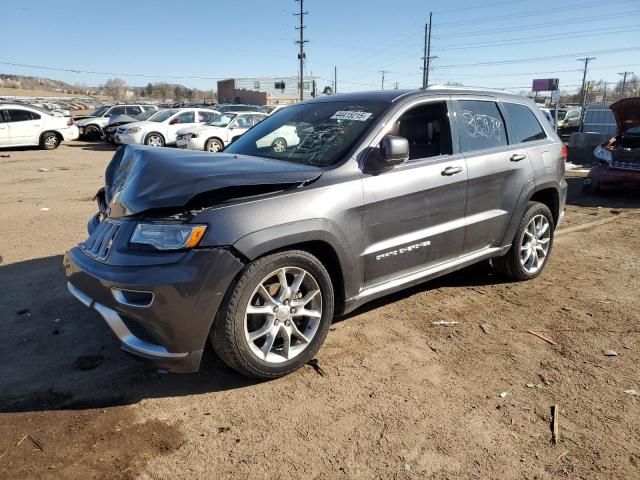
49 141
531 246
261 329
92 132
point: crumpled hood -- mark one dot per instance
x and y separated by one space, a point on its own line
141 178
627 113
121 119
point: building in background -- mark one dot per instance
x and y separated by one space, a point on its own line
264 90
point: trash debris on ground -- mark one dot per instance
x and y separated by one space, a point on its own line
445 323
314 364
44 209
544 379
44 170
615 212
631 392
407 467
33 441
542 337
486 328
555 414
503 394
563 454
24 311
5 156
610 353
88 362
223 429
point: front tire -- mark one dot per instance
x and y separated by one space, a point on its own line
531 245
213 145
276 315
49 141
154 140
92 132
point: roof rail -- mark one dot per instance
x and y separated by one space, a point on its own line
465 87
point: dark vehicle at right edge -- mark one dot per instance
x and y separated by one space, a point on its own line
257 249
617 161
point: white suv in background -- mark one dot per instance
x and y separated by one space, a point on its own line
219 132
91 126
22 125
161 129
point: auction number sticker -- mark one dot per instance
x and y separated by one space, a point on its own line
351 115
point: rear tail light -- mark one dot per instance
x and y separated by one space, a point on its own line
564 152
70 122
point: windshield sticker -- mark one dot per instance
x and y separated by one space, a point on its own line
349 115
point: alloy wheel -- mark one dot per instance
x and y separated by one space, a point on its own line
154 141
51 142
535 244
283 314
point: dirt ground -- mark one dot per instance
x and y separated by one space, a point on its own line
399 397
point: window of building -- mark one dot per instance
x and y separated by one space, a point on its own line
256 85
305 85
279 86
481 125
523 123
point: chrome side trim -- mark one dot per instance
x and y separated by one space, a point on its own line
427 272
129 341
83 297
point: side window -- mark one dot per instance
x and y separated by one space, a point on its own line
524 124
133 110
204 116
481 125
35 116
243 121
258 118
184 117
19 115
4 116
427 129
117 111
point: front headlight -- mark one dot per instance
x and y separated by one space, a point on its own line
165 236
603 154
133 130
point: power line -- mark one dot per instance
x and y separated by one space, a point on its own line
530 13
483 5
537 59
516 28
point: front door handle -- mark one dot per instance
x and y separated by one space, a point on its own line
516 157
451 170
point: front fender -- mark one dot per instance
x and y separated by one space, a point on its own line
278 237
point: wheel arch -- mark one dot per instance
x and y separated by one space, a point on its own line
155 133
213 138
549 196
55 132
322 244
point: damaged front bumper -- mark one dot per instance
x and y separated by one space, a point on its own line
160 312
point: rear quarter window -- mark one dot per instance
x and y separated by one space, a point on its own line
481 125
524 124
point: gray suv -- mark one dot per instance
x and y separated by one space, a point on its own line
258 247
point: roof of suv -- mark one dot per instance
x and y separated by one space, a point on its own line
393 95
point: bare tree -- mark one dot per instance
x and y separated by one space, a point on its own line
115 88
164 90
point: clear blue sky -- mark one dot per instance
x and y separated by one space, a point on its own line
205 38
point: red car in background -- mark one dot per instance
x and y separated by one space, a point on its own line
617 161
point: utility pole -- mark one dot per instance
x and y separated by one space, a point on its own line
424 57
335 79
583 96
426 82
301 42
383 72
624 81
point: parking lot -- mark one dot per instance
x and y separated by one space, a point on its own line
392 395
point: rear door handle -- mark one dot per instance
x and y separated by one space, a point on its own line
451 170
516 157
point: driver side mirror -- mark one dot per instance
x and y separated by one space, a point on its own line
392 151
